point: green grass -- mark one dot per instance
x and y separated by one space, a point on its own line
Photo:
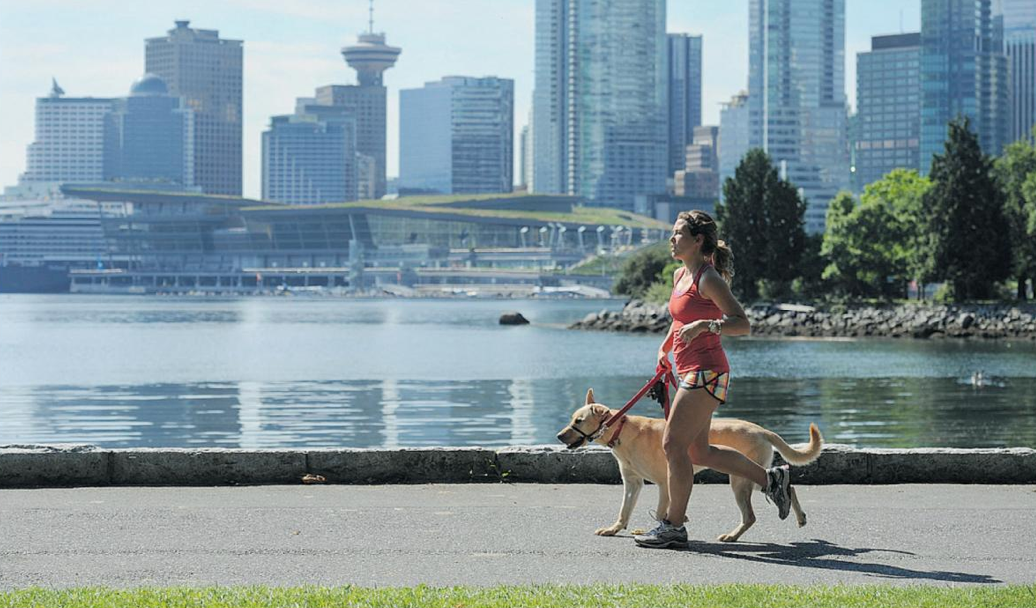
539 596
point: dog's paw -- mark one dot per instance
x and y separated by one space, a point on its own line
801 520
727 538
609 531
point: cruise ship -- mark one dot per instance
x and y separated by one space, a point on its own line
42 240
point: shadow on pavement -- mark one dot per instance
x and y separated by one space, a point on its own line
822 554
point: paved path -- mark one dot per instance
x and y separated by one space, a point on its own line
495 533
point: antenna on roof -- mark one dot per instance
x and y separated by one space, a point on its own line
370 27
55 89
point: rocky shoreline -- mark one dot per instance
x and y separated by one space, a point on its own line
982 321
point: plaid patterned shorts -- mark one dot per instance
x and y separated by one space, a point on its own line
714 383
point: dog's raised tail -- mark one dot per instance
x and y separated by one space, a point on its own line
799 457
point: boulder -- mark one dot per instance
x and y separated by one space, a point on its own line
513 318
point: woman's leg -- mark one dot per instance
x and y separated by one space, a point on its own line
686 441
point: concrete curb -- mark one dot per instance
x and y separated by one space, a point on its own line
32 466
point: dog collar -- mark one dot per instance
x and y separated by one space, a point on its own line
614 441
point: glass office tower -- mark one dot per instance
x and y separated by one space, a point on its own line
888 107
1020 44
685 54
797 105
600 100
963 73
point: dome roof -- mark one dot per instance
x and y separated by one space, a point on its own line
149 84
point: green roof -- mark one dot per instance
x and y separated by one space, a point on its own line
435 205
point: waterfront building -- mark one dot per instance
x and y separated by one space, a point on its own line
310 157
456 136
149 136
1020 44
963 73
888 98
69 142
184 241
600 120
796 89
206 71
685 59
735 135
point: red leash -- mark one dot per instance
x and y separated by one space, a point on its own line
664 375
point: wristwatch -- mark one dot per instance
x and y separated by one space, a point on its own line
715 326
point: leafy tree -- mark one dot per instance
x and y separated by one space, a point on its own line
969 234
809 284
1012 170
854 243
762 218
642 269
901 193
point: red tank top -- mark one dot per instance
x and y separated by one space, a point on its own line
705 352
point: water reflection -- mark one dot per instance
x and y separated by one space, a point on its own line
867 412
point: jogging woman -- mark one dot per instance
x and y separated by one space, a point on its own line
703 308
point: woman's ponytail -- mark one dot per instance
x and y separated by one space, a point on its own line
723 260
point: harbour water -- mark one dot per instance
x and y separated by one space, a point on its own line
322 372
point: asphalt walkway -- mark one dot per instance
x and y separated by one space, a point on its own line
482 534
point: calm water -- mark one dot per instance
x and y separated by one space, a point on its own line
284 372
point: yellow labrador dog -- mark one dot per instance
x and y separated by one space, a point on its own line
640 456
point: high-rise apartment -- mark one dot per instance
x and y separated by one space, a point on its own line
206 71
963 73
149 136
888 112
310 157
797 96
599 107
69 143
456 135
1020 44
685 58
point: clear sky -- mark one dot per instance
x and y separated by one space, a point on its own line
95 48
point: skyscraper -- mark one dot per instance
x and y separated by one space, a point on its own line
69 143
735 133
370 57
310 157
888 102
685 53
206 71
963 72
796 96
457 136
149 136
1020 44
599 105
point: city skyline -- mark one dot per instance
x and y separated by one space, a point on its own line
293 49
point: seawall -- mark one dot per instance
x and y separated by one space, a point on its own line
991 321
31 466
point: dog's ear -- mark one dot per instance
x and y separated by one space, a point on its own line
590 396
600 410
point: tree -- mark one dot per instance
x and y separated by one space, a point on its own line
1012 169
857 243
762 218
785 213
901 192
642 269
969 235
